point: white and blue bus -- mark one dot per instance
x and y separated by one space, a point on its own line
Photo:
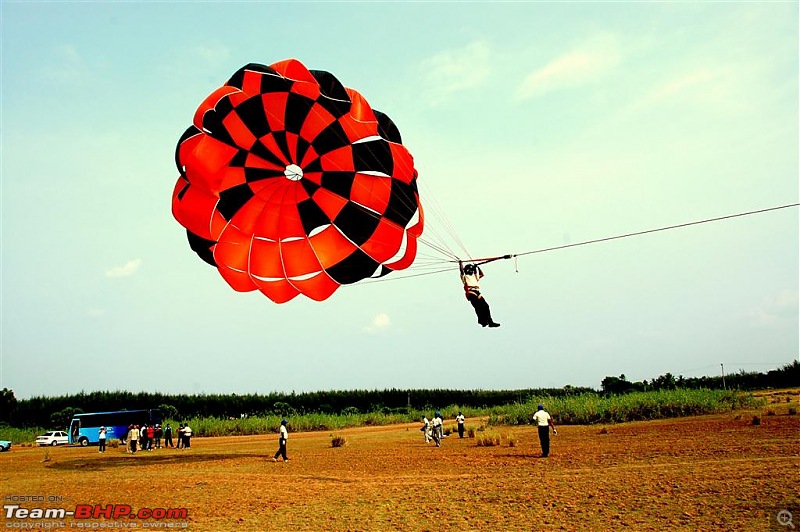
85 428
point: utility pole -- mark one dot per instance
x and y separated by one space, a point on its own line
723 376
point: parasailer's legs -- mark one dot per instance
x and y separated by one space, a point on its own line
482 310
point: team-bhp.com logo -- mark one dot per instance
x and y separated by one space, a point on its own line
95 511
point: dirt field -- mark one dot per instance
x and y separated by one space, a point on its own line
717 472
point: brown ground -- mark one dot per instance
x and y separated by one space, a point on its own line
716 472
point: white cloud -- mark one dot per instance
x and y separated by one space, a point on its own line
67 65
380 322
126 270
586 64
452 71
704 86
776 310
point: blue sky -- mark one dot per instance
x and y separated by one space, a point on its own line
532 125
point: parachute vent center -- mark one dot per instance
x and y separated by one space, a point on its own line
293 172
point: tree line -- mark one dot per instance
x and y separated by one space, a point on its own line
53 411
784 377
57 411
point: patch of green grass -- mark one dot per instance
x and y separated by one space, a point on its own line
19 436
589 409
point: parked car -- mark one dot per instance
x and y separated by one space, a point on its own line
55 437
5 445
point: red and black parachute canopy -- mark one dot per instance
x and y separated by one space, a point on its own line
290 183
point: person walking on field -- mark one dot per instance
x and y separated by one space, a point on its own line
426 429
460 421
284 435
543 423
437 429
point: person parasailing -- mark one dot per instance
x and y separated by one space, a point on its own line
470 276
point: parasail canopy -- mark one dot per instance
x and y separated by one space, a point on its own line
290 183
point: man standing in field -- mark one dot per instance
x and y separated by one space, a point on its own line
133 437
437 429
543 423
187 436
460 421
168 436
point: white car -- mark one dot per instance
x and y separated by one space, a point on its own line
55 437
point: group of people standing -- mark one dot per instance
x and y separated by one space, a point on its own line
434 430
148 437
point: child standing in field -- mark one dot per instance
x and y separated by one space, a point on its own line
426 429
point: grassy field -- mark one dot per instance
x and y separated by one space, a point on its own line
710 472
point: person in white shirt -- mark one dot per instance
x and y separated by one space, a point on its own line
187 437
426 429
437 429
543 423
470 276
284 435
460 422
101 440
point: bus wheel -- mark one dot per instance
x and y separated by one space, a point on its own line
84 442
